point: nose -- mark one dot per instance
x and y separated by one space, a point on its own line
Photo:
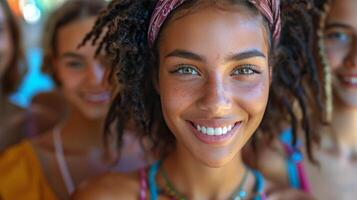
216 98
96 73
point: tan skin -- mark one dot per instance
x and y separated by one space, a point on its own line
84 85
12 117
207 77
337 175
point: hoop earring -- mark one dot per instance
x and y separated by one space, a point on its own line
326 70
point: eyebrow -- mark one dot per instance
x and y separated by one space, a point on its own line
193 56
71 55
337 25
246 54
185 54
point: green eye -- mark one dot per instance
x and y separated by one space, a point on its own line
339 37
186 70
244 70
75 64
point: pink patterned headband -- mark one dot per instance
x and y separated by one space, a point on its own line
269 8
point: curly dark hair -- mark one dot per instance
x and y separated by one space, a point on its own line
320 3
135 64
17 66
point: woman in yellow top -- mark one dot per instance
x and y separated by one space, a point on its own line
53 164
12 117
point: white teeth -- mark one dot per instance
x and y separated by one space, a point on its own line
218 131
352 80
224 130
198 128
204 130
210 131
214 131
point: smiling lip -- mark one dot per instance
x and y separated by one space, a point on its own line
214 134
97 98
348 80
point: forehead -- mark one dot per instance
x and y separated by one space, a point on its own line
214 30
70 35
344 11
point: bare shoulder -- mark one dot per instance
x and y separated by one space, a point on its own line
110 186
271 163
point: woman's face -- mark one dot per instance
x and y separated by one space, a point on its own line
341 46
6 46
213 81
83 77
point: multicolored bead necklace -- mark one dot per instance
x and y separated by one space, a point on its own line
169 190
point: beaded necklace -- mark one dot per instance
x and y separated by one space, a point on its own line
171 192
239 194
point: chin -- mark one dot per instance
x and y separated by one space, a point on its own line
95 114
347 97
216 163
217 159
349 100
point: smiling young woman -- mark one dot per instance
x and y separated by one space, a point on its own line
196 75
51 165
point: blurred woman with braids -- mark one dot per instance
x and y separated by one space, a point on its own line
196 75
335 176
52 165
12 117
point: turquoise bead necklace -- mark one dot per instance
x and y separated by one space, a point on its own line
169 189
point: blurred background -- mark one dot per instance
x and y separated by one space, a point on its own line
32 14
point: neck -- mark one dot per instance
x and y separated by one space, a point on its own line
79 131
344 125
197 181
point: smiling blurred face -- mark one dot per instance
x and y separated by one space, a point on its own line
213 81
6 47
341 46
83 77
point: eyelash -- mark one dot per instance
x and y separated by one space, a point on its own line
74 64
339 36
194 72
180 68
246 67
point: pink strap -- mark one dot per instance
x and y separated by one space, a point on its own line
143 184
304 182
305 186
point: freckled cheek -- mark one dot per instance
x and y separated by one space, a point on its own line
71 81
253 98
176 96
335 59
